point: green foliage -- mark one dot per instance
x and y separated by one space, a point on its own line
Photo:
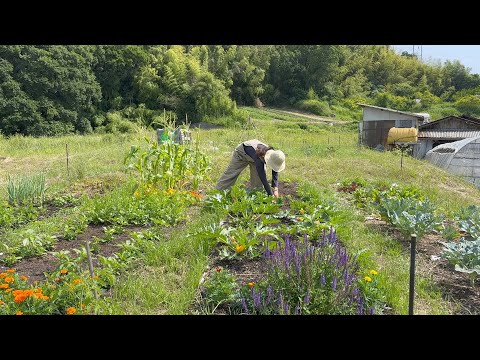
168 165
24 189
220 288
469 105
315 106
465 255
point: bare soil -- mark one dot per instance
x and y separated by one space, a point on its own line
35 267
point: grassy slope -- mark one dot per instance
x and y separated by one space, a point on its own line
316 155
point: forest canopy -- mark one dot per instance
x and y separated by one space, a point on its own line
48 90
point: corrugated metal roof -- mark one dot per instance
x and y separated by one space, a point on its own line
448 134
417 115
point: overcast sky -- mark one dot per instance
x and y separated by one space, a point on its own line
468 55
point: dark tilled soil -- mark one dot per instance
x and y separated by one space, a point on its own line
35 267
455 286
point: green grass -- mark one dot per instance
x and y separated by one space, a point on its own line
318 156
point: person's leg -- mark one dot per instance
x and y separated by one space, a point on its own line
229 177
255 182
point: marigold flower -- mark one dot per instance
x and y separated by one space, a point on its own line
17 292
251 284
44 297
367 278
77 281
95 277
20 298
195 194
373 272
3 275
9 279
71 311
11 270
1 302
19 312
8 290
239 248
63 271
24 278
70 287
3 286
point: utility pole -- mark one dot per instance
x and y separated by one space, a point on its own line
413 49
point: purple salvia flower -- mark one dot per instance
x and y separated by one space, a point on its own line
286 308
244 305
323 280
297 310
371 311
269 294
306 299
334 285
256 299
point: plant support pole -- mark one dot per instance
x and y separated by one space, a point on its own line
413 245
68 170
90 266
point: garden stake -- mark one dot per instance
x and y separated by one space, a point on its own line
412 273
68 170
90 267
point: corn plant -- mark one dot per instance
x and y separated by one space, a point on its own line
26 188
168 166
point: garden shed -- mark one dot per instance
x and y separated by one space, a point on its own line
459 158
443 131
377 122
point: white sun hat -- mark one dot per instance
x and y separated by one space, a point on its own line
275 159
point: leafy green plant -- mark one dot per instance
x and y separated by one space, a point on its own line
465 255
220 288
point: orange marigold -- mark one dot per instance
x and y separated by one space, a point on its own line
239 248
19 312
9 279
8 290
11 270
3 275
195 194
3 286
77 281
63 271
71 311
24 278
1 302
20 298
251 284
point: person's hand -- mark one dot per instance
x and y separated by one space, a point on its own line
275 193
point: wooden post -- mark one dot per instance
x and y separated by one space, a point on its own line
90 266
68 169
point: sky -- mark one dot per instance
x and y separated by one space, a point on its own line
468 55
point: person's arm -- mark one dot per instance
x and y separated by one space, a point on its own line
275 183
260 166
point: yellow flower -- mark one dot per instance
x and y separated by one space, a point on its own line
239 248
373 272
3 286
367 278
9 279
63 271
77 281
11 270
71 311
251 284
8 290
19 312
